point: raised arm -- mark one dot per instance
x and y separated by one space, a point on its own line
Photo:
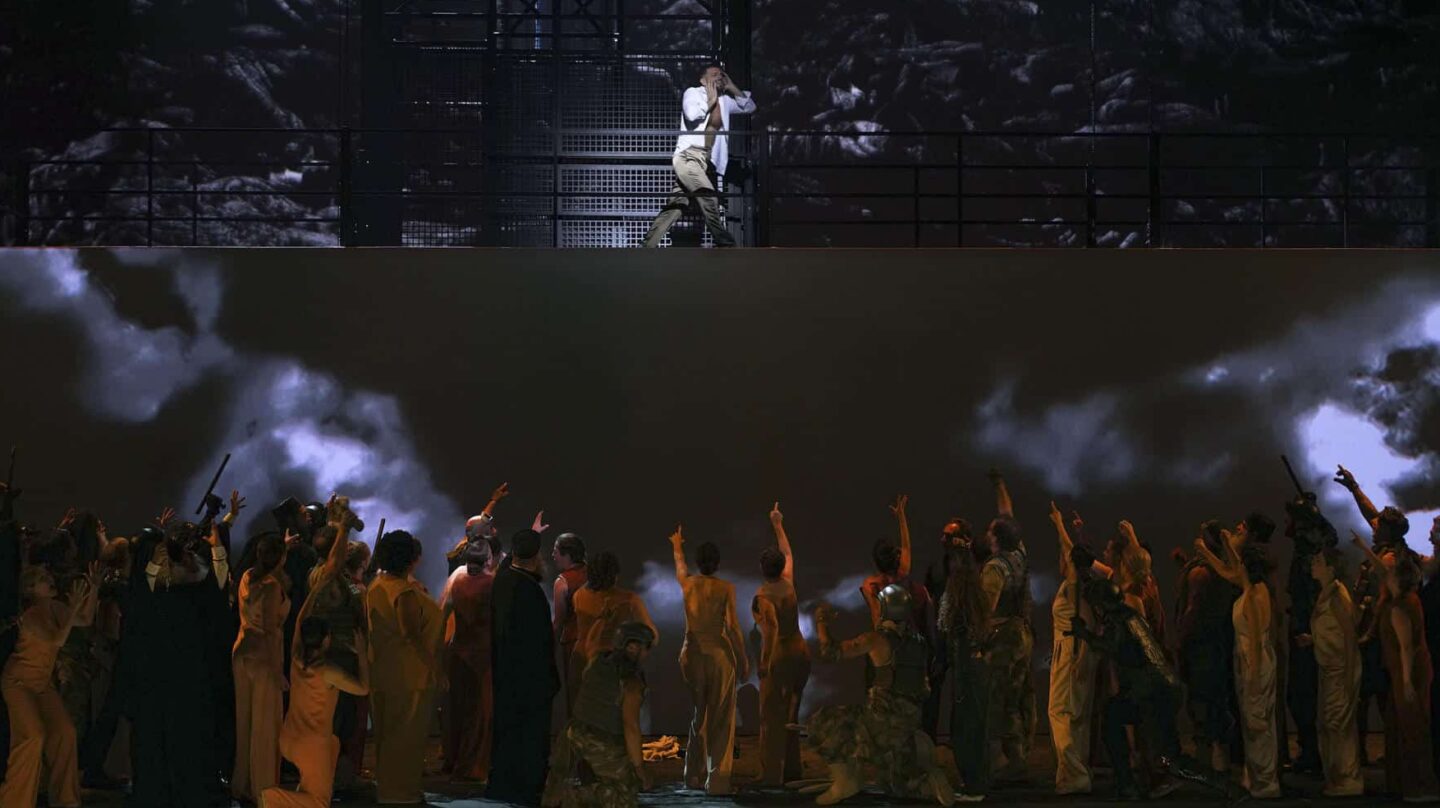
337 515
1347 481
677 547
1003 506
777 521
498 494
1381 568
1132 542
741 100
904 526
80 593
1067 570
1232 573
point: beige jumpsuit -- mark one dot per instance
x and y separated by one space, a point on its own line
1072 693
40 729
1332 628
783 685
709 662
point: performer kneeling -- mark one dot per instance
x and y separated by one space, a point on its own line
1149 692
604 729
884 733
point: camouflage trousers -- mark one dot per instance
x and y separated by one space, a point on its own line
616 785
877 737
1012 694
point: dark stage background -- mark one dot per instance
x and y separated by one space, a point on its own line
623 392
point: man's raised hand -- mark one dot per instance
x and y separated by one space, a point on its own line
1056 518
237 502
1345 479
164 518
1128 531
677 538
500 493
539 525
776 517
899 507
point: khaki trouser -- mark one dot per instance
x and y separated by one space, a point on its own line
708 666
692 182
40 733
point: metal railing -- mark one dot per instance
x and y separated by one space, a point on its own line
601 187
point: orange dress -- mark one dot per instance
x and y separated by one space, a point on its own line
308 741
40 728
467 662
258 660
405 636
598 615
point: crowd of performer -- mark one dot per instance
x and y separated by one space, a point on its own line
159 660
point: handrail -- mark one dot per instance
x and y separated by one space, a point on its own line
1259 182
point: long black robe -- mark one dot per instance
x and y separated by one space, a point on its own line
526 680
169 670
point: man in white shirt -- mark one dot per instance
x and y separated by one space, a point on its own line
703 149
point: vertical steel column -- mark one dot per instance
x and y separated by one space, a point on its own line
1345 192
1154 237
960 190
149 187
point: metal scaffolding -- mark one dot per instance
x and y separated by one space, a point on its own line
524 122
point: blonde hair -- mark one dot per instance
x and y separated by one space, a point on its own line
1135 567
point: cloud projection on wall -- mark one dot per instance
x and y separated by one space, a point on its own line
1358 386
291 429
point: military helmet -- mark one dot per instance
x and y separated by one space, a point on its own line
896 604
634 631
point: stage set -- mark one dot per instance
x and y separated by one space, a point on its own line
815 402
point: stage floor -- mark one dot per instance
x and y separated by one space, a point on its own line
1300 789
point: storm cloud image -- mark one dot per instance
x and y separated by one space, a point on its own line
624 394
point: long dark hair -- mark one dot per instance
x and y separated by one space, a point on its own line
965 602
269 554
602 570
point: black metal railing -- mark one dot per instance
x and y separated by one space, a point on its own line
601 187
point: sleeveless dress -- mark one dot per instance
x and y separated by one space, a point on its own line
598 614
1072 690
258 660
467 661
1257 703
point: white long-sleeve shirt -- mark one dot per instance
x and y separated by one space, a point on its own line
694 110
